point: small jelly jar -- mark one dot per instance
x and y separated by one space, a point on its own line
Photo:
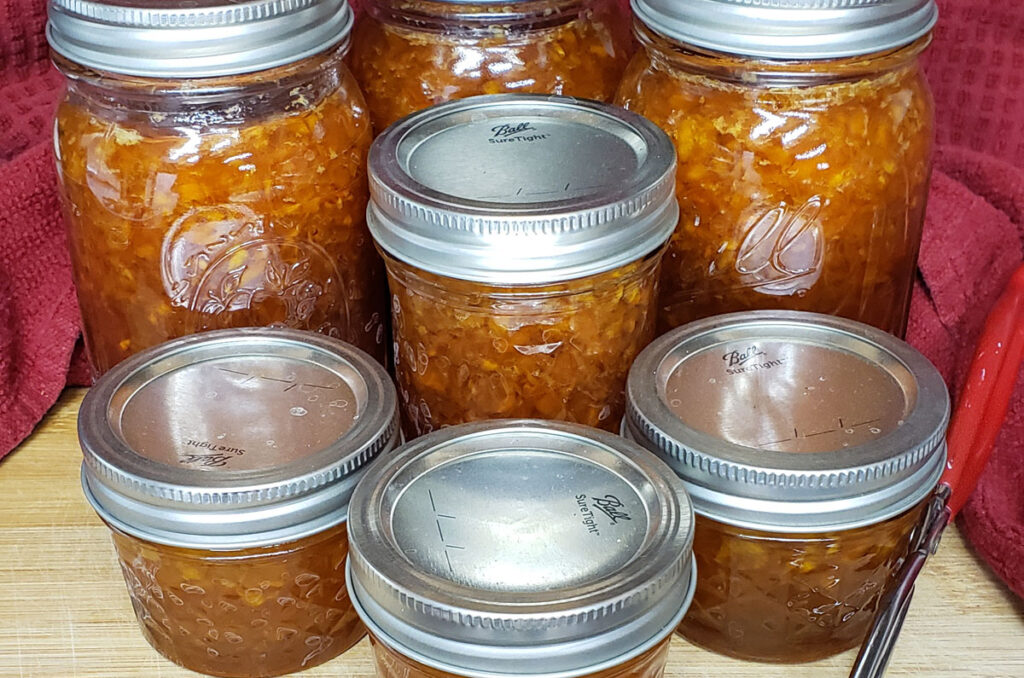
223 464
804 135
409 56
520 548
522 236
810 446
212 166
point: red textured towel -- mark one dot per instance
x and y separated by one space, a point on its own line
973 235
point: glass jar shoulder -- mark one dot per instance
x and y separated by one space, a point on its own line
574 48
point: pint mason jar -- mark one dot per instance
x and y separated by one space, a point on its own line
223 464
811 446
803 130
520 548
522 236
212 171
408 56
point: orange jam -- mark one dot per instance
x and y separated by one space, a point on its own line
218 202
791 597
392 664
801 184
466 351
408 56
223 463
250 612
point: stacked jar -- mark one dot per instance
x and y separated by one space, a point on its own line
212 168
522 236
409 56
804 135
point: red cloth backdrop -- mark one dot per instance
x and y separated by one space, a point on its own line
973 235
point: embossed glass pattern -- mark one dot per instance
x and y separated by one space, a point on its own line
218 202
243 613
776 597
408 56
801 184
392 664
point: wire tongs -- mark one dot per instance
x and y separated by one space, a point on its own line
972 434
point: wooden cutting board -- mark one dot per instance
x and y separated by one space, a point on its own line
64 610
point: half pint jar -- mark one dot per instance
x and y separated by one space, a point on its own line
211 158
804 135
520 548
810 446
522 236
408 56
223 464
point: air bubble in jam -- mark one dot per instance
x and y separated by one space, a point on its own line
298 411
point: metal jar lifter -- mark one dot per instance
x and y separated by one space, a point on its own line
972 433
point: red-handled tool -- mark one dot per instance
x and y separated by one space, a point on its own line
972 433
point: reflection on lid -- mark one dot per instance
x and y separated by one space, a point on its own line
788 396
237 413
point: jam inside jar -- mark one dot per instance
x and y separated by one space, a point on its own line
223 464
201 202
810 445
408 57
466 351
778 597
802 181
250 612
393 664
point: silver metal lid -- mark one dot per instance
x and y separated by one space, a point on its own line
790 29
791 421
521 547
522 189
194 38
234 438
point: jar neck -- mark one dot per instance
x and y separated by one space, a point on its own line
763 72
479 17
293 86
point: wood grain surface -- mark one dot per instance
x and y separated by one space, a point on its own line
64 610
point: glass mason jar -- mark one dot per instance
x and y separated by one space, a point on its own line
811 446
409 56
223 464
214 177
520 548
524 276
804 138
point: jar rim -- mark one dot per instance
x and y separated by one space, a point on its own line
522 189
823 476
208 39
168 455
782 30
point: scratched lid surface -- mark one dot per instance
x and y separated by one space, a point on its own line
234 438
522 189
791 421
495 548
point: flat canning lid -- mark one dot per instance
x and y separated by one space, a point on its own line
234 438
521 547
790 421
522 189
194 38
790 29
